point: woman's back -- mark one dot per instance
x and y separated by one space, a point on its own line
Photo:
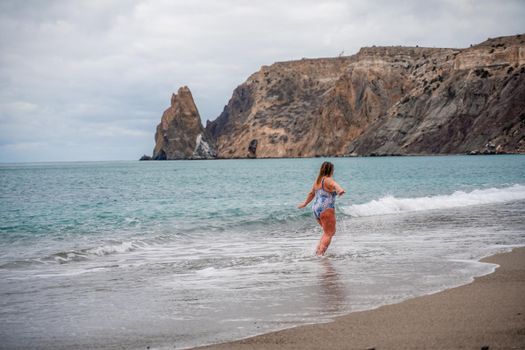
326 184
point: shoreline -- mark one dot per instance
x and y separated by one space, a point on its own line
487 312
44 162
373 155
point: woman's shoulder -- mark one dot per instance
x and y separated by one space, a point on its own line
329 183
317 185
325 181
328 180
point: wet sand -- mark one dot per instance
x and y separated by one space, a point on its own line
490 312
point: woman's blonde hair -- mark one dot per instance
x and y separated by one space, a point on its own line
327 169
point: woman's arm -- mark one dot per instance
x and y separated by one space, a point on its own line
308 199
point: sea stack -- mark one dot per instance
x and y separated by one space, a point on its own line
180 134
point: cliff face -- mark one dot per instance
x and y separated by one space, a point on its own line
180 134
383 100
463 101
273 113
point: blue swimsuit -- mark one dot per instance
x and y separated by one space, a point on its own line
323 200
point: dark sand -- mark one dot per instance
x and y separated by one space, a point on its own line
488 312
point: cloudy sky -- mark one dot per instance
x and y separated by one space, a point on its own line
89 80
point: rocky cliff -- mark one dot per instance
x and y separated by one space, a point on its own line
180 134
380 101
462 101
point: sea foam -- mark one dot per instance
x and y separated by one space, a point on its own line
112 248
392 205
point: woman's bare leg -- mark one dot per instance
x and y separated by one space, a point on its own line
317 248
327 220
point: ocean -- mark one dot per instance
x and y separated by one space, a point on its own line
184 253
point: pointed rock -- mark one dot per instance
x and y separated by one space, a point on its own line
180 134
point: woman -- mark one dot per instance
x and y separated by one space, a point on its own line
324 191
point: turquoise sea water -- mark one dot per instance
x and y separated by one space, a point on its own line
185 253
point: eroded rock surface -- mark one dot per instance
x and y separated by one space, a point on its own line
463 101
180 134
380 101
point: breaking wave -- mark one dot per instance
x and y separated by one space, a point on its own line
392 205
79 255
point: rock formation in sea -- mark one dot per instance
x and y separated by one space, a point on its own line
180 134
381 101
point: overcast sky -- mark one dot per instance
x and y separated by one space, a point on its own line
89 80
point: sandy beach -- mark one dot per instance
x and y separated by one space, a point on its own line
488 313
